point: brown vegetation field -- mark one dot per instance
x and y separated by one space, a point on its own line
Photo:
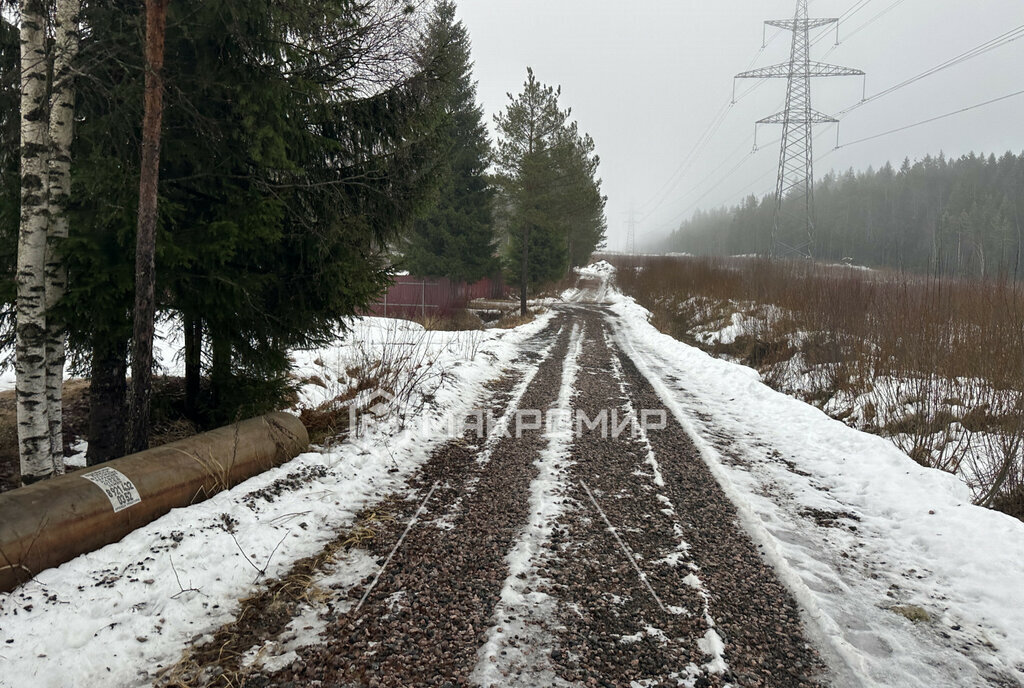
936 365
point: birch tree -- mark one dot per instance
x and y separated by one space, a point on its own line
47 118
30 331
61 132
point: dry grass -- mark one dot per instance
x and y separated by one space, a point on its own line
513 319
455 321
405 368
553 290
942 359
219 662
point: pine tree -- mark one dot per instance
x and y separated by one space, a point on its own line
302 141
528 131
550 195
456 239
580 189
145 232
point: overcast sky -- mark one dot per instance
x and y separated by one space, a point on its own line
647 77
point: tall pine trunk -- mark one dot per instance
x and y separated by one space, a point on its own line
524 269
193 366
30 348
145 241
61 131
220 375
107 394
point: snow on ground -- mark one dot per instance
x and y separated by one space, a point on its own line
168 357
117 616
592 284
310 622
861 534
600 270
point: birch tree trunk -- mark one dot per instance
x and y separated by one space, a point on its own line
62 117
30 347
145 240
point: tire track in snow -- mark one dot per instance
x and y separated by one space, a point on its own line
435 582
501 427
517 640
755 613
613 630
711 643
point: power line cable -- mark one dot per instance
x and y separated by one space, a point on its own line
845 16
861 140
999 41
992 44
680 216
664 192
875 18
725 161
932 119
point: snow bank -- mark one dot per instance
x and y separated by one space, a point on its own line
601 270
117 616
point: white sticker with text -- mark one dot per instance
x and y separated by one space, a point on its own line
119 489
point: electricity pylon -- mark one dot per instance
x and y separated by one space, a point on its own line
631 236
794 191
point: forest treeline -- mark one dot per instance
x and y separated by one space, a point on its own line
308 150
955 217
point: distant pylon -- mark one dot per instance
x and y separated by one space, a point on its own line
631 236
795 185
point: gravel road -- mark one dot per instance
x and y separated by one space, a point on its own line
603 557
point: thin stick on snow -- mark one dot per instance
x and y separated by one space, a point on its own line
180 586
625 549
394 549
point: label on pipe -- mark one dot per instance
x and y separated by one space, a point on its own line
119 489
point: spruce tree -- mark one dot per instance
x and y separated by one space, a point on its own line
299 145
939 216
456 238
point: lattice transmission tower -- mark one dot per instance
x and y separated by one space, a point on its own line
794 191
631 233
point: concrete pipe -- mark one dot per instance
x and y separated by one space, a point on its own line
48 523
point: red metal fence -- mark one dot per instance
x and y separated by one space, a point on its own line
415 297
